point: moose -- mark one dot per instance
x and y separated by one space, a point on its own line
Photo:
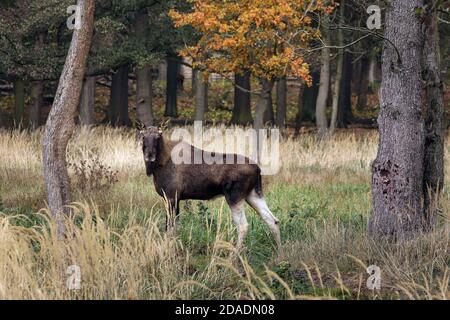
238 182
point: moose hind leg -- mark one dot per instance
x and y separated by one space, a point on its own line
258 203
240 220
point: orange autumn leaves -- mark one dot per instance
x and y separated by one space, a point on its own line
265 37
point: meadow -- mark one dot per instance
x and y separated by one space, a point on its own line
321 196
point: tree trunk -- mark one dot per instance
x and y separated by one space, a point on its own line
171 89
397 172
87 102
264 102
307 99
194 81
433 179
324 87
119 98
269 115
363 84
19 101
60 123
37 91
344 112
242 113
144 91
281 102
340 63
201 97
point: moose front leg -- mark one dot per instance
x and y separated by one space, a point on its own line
172 217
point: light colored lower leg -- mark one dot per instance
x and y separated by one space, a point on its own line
259 204
240 220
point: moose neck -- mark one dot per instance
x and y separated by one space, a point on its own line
164 151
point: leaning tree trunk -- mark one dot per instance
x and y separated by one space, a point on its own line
37 88
60 123
433 179
144 92
242 113
201 97
87 102
281 102
397 172
19 101
324 87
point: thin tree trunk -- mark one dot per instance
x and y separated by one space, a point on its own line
171 89
264 102
119 98
281 102
60 123
397 172
144 91
269 115
363 84
194 81
201 97
324 87
345 114
433 179
242 113
37 91
372 72
19 101
340 64
307 99
87 102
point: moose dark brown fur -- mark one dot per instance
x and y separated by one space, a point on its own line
239 183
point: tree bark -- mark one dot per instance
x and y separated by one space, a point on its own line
363 84
60 123
201 97
242 113
119 98
397 172
281 102
340 64
345 114
307 98
19 101
264 102
194 81
433 178
87 102
144 91
37 91
324 86
269 115
171 89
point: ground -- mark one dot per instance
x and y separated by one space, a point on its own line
321 196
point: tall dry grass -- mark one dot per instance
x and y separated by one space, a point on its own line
116 240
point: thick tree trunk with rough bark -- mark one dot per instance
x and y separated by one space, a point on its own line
144 92
87 102
433 178
201 97
397 172
324 86
60 123
281 103
19 101
242 113
37 91
172 89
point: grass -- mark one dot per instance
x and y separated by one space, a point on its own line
321 196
